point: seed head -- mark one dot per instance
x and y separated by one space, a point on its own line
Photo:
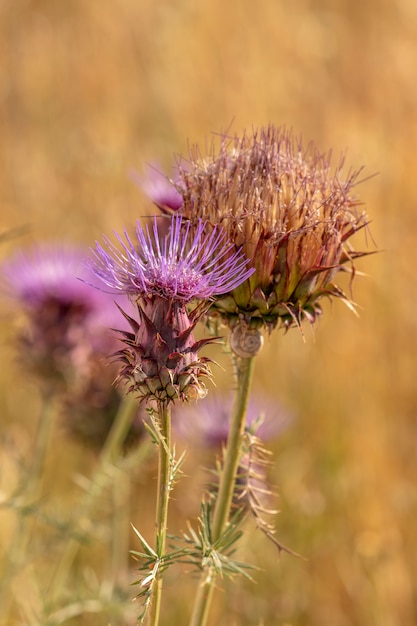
291 215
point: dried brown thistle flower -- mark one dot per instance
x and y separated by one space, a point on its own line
289 212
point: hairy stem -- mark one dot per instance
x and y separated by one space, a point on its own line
164 488
227 483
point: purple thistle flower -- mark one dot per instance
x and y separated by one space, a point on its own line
162 275
47 272
182 267
66 337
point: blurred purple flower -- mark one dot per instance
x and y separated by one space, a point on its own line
67 336
208 423
48 272
160 189
67 319
89 409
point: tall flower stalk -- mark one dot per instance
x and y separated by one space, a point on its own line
160 363
233 451
165 479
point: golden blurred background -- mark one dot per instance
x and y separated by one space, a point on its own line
91 91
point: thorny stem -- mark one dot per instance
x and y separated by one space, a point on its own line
164 488
109 454
224 499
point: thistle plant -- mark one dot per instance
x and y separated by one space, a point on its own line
251 238
160 362
64 337
293 215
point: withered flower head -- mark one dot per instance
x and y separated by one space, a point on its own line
162 275
290 213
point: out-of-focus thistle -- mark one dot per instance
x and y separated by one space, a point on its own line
65 337
67 321
162 275
290 212
160 189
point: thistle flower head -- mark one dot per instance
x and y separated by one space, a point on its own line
67 320
161 190
162 276
66 336
183 266
48 271
290 213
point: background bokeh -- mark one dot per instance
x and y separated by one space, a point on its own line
91 91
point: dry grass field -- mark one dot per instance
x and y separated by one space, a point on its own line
91 91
